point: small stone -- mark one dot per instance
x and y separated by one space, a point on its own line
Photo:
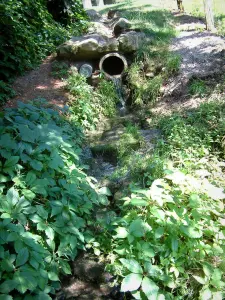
149 75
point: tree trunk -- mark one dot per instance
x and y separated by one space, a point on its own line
180 5
87 4
209 15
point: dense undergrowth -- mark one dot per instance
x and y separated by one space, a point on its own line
87 104
168 241
46 199
29 33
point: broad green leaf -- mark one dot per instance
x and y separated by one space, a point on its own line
53 276
24 281
147 250
7 286
7 142
28 194
174 244
200 279
65 267
137 228
105 191
3 178
43 296
37 165
208 269
30 178
26 134
132 265
12 196
159 232
5 297
7 265
149 288
22 257
191 232
11 162
139 202
194 201
121 233
131 282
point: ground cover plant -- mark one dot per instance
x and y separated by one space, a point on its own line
88 104
46 200
168 241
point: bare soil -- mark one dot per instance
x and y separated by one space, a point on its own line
37 84
202 56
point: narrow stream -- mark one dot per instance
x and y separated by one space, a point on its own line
119 90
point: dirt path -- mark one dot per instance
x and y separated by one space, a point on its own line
39 83
202 56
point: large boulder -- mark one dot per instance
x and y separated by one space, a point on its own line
89 47
93 15
120 26
131 41
99 28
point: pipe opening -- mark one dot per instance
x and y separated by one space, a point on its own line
113 64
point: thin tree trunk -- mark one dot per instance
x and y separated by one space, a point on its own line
87 4
180 5
210 25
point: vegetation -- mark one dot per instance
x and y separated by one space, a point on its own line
29 33
87 106
46 199
168 241
164 237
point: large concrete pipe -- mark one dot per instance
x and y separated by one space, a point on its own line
113 65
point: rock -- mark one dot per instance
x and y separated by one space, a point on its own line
99 28
120 26
93 15
112 13
131 41
87 47
150 75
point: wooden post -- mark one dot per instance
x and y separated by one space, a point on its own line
180 5
209 17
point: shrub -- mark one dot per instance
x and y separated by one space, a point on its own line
46 199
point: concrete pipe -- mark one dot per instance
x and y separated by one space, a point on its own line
113 65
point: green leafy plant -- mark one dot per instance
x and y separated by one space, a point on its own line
60 69
198 88
88 105
46 199
168 240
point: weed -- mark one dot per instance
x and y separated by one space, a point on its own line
60 69
172 65
89 105
108 97
198 88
